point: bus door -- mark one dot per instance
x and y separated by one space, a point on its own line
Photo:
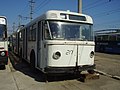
39 45
25 43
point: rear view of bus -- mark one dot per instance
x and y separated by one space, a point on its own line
3 41
70 43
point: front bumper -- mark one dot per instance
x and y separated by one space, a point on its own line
68 70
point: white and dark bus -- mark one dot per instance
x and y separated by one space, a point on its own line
58 42
3 41
108 41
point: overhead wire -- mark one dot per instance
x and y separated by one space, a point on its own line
42 2
41 5
107 13
91 4
21 12
97 5
108 24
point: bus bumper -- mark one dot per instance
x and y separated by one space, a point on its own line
68 70
3 60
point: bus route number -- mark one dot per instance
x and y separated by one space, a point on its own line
69 52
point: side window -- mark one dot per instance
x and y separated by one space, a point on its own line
32 33
98 38
46 31
118 37
30 38
39 33
112 38
105 38
21 35
28 33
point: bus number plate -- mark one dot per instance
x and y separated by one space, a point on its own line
69 52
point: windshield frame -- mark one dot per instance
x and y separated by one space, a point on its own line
71 25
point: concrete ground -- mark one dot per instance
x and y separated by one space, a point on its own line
109 63
7 81
22 77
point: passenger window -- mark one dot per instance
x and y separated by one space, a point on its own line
46 31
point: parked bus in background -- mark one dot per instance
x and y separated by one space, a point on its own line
108 41
13 42
3 41
58 42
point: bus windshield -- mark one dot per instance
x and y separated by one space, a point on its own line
2 32
70 31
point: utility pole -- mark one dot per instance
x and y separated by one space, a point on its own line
31 9
79 6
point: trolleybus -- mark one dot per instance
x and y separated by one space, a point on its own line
58 42
3 41
108 40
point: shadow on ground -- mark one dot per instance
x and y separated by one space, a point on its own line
2 67
22 66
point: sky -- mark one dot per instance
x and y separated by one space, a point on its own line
105 13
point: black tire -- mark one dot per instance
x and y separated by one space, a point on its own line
32 59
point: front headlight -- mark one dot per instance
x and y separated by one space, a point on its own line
56 55
92 54
2 54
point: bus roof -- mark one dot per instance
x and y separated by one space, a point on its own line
2 16
63 16
107 32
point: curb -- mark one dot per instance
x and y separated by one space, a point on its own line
103 73
11 66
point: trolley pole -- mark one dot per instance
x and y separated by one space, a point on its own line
79 6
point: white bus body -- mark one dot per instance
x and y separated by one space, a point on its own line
3 41
58 42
